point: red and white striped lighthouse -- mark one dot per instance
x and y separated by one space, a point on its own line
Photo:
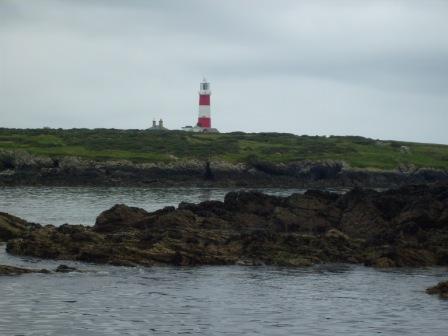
204 119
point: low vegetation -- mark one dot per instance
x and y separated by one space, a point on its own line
150 146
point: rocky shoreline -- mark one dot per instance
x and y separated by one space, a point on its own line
19 168
401 227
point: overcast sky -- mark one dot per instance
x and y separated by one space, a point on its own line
373 68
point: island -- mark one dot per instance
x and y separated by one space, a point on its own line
113 157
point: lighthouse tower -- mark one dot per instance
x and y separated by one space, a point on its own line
204 119
204 124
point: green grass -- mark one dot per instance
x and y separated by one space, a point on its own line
147 146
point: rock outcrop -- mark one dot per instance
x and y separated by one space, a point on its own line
12 227
402 227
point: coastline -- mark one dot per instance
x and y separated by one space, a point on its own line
72 171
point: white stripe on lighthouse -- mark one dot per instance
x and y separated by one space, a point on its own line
204 111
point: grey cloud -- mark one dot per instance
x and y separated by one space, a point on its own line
321 67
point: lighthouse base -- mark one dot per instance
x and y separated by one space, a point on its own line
198 129
204 122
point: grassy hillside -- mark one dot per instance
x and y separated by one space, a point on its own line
147 146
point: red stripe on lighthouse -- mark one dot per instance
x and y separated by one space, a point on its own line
204 122
204 99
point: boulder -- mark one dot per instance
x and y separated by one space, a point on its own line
119 217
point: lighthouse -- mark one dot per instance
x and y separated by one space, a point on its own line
204 119
204 123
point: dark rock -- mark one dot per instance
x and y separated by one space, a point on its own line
208 175
383 262
394 228
441 289
12 227
12 270
118 218
65 269
22 168
325 170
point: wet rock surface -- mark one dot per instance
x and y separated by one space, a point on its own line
440 289
66 269
12 226
13 270
401 227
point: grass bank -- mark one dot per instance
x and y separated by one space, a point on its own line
150 146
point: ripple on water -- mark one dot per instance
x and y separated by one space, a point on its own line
230 300
223 300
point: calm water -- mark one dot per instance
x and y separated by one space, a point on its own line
59 205
228 300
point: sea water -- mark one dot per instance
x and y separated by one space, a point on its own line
335 299
81 205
